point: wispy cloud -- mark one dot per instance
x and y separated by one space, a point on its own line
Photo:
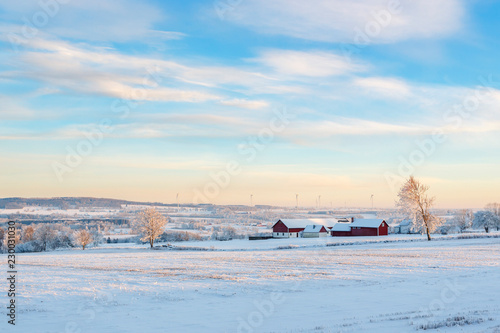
244 103
387 87
91 20
307 63
337 20
102 72
11 109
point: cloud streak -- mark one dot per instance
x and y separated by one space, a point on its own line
338 21
307 63
91 20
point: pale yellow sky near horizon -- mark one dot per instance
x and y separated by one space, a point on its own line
280 192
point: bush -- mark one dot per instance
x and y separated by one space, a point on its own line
179 236
31 246
43 237
225 233
193 226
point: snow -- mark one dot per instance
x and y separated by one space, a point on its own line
315 228
367 223
302 223
405 285
342 227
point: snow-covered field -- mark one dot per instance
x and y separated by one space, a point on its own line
446 285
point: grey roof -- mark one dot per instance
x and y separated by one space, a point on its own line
367 223
342 227
302 223
405 222
313 228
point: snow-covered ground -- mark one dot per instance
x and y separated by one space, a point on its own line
279 243
448 285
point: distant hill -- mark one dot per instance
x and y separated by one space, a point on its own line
71 202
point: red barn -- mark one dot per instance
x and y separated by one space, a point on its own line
287 228
341 229
361 227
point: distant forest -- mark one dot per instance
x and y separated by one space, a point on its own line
70 202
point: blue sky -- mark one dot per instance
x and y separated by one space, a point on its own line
372 91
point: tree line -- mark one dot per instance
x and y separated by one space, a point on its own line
149 224
50 236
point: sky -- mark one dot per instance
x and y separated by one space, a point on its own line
251 101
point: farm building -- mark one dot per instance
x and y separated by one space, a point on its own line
315 231
361 227
292 228
405 227
341 229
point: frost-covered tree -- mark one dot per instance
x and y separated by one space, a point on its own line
414 202
83 238
463 219
44 235
495 209
149 224
2 234
64 236
97 237
17 238
28 234
225 233
486 219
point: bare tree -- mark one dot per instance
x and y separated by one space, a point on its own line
463 219
414 203
150 224
83 238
